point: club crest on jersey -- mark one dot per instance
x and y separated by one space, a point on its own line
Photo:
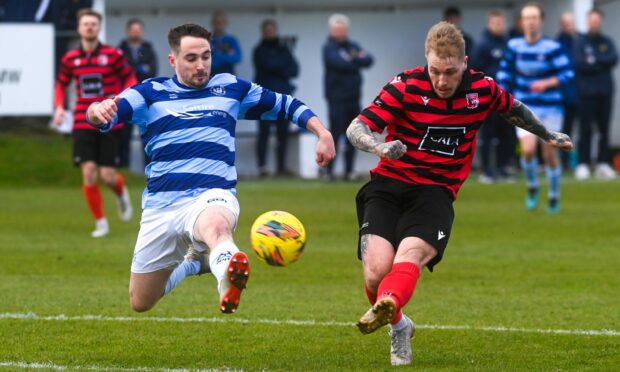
472 100
102 60
218 91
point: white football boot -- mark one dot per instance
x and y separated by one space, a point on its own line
101 228
400 345
125 210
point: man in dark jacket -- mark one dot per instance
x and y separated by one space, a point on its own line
567 37
275 66
343 59
452 14
486 57
143 60
595 56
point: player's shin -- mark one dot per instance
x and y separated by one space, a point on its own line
185 269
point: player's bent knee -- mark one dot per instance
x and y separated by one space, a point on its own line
140 305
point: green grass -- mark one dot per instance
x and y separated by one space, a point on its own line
503 267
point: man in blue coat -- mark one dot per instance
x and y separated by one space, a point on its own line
595 56
275 66
343 60
225 49
488 53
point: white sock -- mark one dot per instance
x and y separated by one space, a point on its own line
102 223
219 257
402 324
185 269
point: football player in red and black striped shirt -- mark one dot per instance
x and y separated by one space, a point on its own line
431 115
100 71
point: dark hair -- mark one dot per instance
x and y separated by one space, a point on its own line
268 22
88 12
133 21
535 5
597 11
495 13
451 11
189 29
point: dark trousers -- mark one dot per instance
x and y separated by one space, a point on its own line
495 127
597 109
264 129
341 114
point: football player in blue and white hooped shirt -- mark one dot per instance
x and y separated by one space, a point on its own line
188 124
533 69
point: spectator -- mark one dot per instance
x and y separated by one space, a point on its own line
452 14
567 38
343 59
275 66
595 56
225 49
488 53
100 71
143 59
517 26
534 68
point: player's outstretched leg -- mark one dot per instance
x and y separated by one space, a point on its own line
400 345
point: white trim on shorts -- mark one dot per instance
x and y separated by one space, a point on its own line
166 233
552 119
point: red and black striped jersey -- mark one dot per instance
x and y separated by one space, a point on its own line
98 75
440 134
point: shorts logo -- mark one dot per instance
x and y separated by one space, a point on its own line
440 235
213 200
442 140
364 225
472 100
224 256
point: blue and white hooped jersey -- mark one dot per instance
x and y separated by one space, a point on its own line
524 63
190 133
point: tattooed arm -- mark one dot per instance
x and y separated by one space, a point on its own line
362 138
522 117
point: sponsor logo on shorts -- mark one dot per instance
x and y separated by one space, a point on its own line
213 200
224 256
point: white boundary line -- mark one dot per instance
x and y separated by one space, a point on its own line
57 367
62 317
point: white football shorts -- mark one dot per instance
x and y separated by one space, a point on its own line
552 119
166 233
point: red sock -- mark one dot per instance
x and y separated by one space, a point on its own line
400 284
372 297
93 199
120 184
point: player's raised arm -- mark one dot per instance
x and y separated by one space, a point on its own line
325 148
361 137
521 116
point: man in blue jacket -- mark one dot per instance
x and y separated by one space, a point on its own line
488 53
275 66
595 56
224 46
343 60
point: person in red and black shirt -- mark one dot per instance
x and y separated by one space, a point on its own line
100 71
431 115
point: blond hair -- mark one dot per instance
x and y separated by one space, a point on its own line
446 40
88 12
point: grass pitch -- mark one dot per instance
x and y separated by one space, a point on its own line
504 267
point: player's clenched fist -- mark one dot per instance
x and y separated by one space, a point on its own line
391 150
100 113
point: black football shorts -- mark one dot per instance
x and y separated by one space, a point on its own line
395 210
93 145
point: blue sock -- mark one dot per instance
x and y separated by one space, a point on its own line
530 168
185 269
554 175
